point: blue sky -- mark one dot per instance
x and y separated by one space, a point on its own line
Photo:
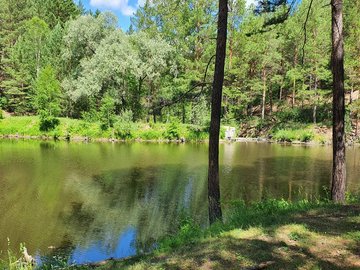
122 8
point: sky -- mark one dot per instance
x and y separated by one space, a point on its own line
122 8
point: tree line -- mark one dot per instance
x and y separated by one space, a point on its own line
59 60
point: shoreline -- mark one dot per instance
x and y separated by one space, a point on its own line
83 139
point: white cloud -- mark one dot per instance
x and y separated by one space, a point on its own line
121 5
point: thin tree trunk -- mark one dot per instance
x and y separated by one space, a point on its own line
231 50
339 169
183 113
215 212
271 99
263 95
356 123
293 94
316 100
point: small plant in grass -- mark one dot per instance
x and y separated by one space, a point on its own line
306 136
16 262
295 236
188 233
284 135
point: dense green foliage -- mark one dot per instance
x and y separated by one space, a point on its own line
161 69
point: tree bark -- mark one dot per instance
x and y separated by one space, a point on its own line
263 95
271 99
215 212
316 100
293 94
339 169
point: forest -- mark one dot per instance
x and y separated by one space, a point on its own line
60 60
284 71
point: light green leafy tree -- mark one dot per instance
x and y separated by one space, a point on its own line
47 98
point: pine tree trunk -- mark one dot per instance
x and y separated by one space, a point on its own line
183 112
357 123
316 100
293 94
271 99
263 96
215 212
339 169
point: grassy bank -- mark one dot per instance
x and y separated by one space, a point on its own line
274 235
81 130
282 129
73 129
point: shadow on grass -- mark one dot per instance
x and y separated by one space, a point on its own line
335 222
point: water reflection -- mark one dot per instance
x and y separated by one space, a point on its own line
124 247
89 202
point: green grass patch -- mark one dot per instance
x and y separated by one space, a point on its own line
122 130
290 135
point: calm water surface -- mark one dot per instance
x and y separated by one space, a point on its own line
95 201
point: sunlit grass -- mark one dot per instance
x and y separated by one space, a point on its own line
75 129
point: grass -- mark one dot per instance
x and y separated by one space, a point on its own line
274 233
291 135
14 261
80 129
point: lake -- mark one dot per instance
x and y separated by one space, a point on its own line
94 201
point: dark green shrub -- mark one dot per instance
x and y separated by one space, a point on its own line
306 136
48 123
